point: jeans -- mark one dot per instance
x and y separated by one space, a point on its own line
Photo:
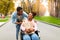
32 37
17 30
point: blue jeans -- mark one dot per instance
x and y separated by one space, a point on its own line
17 30
32 37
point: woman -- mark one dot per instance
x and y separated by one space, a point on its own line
29 27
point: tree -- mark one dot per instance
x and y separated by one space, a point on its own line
6 6
25 5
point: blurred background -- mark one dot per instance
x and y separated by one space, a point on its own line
45 9
47 17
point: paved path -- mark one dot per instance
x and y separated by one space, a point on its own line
7 32
1 23
47 32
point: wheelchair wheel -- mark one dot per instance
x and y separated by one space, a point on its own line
21 35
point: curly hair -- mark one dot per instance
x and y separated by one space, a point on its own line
34 14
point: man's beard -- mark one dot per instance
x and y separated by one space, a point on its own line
19 14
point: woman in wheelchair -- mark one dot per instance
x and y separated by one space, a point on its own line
29 27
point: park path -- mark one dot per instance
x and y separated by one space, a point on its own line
47 32
7 32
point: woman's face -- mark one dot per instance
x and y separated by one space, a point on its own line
30 16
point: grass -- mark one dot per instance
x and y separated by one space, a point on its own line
49 19
4 19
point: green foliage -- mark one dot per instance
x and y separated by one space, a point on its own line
4 19
48 19
6 6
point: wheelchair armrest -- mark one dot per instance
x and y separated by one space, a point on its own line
38 31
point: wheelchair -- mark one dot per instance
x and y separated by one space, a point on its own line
22 33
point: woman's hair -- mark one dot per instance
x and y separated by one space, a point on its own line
34 14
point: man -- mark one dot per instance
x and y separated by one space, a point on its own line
17 18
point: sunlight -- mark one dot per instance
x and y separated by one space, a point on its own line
17 3
45 3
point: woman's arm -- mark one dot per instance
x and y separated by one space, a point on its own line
34 28
22 27
35 25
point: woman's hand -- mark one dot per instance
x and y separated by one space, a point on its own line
27 30
31 29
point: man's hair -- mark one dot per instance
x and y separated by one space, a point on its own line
19 8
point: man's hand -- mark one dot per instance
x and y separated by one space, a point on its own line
18 23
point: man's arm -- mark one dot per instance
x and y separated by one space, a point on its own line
13 18
25 14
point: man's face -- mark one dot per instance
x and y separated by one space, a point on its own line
20 12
